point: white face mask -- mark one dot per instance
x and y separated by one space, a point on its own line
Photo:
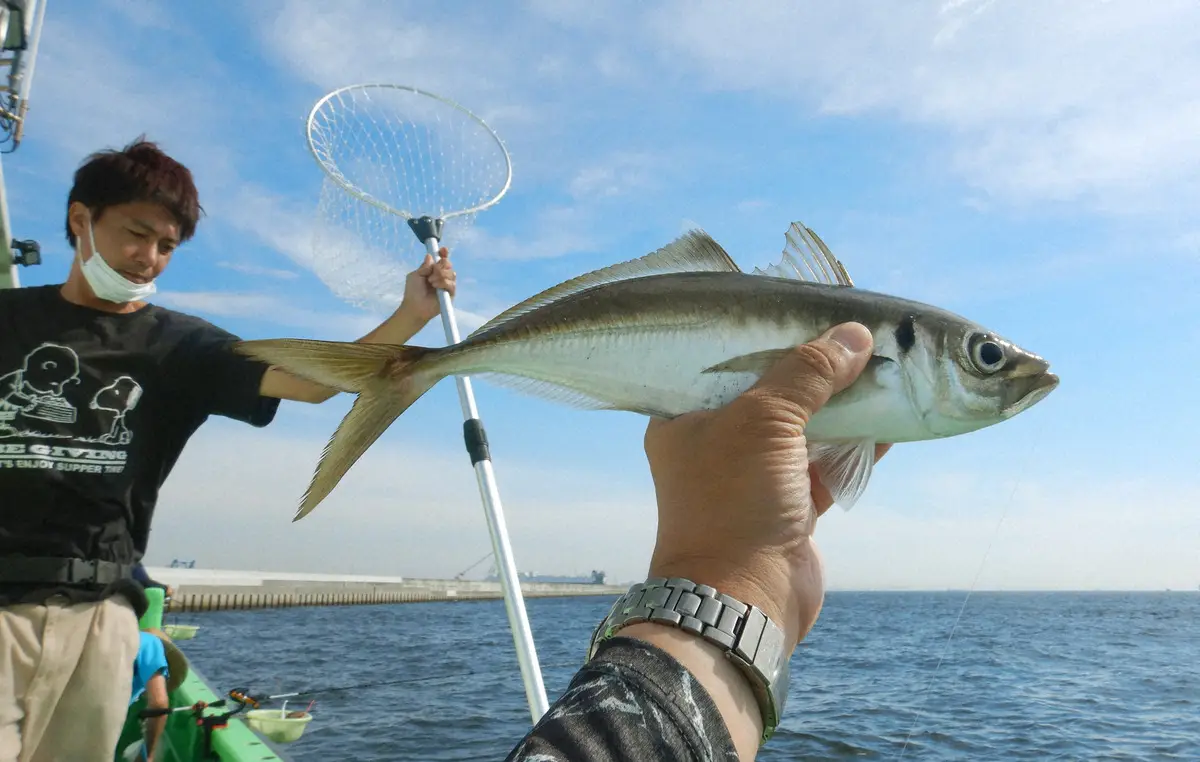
107 283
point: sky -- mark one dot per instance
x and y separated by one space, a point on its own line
1032 166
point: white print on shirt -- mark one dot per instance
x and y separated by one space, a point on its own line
41 390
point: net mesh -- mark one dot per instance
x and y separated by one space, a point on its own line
390 154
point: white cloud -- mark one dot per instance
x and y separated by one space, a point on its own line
410 506
618 174
361 255
554 232
80 114
266 272
370 42
1065 530
270 309
1046 100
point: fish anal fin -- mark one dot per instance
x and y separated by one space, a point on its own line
844 468
806 257
546 390
694 251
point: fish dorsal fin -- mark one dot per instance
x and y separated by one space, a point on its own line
694 251
806 257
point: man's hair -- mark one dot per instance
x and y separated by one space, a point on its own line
138 172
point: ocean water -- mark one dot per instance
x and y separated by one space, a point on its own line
1026 676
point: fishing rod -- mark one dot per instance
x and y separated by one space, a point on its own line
207 722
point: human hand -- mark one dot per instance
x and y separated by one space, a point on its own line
737 499
421 285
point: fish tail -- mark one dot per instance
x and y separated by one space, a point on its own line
388 379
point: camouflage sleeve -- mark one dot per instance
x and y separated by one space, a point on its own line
631 701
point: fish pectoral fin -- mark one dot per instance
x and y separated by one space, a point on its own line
844 468
755 362
806 257
760 362
693 252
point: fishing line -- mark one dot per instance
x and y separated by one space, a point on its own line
970 592
383 683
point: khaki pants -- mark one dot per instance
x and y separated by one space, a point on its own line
66 676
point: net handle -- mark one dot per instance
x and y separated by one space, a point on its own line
331 170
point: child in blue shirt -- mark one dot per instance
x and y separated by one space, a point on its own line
151 672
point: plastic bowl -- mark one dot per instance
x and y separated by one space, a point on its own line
180 631
275 727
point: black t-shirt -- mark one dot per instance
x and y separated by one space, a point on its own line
95 409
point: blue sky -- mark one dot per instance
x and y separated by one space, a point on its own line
1032 166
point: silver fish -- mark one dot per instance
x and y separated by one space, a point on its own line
684 329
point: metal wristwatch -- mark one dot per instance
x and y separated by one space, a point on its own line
749 639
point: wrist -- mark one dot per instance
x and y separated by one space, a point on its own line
744 636
759 580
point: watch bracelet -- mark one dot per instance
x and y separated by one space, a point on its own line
746 635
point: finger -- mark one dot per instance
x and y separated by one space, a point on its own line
812 373
444 253
426 266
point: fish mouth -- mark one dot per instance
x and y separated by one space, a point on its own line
1038 390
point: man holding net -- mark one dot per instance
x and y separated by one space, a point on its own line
99 392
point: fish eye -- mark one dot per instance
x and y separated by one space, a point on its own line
988 356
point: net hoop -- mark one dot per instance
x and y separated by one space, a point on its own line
324 158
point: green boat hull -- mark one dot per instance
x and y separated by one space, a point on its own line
183 738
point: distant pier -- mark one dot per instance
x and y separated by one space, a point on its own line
219 590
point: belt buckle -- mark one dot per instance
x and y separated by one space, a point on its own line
81 570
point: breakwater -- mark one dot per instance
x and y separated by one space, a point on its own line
217 590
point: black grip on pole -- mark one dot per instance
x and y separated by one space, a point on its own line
426 227
476 440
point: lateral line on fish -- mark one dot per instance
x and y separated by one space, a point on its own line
970 591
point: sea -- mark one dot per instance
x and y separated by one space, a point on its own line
883 675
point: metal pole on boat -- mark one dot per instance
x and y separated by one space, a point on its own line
12 119
8 265
386 145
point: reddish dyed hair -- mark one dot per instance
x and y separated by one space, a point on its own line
138 172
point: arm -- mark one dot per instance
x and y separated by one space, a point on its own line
631 701
156 698
419 306
736 512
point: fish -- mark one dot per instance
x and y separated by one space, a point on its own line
684 329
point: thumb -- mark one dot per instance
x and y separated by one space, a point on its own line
810 374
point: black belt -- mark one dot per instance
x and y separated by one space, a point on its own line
69 571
